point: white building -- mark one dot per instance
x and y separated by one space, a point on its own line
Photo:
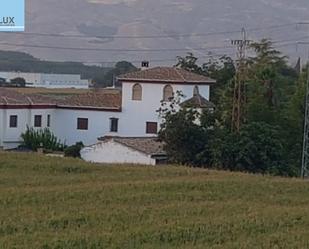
130 150
48 80
130 112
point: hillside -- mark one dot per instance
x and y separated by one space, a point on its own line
23 62
84 22
63 203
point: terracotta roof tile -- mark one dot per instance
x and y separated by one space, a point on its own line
109 100
147 145
11 97
198 101
94 99
166 74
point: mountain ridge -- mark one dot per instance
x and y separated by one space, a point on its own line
114 18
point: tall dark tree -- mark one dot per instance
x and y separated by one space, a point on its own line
121 67
189 63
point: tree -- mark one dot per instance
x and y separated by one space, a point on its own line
42 138
189 63
186 140
258 148
20 82
121 67
271 138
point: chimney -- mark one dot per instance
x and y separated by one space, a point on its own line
145 65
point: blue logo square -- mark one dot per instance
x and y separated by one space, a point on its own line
12 15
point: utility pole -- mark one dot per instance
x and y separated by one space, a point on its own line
305 155
239 98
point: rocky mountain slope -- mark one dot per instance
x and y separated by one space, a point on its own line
93 25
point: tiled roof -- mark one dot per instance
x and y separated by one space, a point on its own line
148 145
166 74
104 100
197 101
98 99
10 97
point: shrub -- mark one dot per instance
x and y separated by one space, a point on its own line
74 150
43 138
258 148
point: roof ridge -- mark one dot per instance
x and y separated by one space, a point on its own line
181 76
5 100
199 99
29 99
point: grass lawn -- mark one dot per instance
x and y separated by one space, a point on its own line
52 203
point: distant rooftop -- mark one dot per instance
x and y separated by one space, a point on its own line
198 101
98 100
165 74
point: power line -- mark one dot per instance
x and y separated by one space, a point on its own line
152 36
113 50
138 50
213 55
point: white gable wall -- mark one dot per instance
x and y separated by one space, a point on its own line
113 152
135 114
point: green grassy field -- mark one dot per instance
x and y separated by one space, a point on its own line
64 203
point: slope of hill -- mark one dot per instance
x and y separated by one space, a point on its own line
69 204
23 62
93 18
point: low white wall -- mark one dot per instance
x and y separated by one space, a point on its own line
65 125
113 152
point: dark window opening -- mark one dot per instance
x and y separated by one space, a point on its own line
13 121
151 128
82 123
48 120
114 125
38 121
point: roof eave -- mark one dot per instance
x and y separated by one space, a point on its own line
90 108
127 80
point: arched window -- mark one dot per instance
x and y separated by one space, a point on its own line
137 92
168 93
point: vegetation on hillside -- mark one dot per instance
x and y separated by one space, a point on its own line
270 138
53 203
22 62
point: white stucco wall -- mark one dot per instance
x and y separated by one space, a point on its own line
65 125
135 114
113 152
11 136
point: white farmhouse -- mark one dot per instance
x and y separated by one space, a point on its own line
130 112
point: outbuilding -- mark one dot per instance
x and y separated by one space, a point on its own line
129 150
